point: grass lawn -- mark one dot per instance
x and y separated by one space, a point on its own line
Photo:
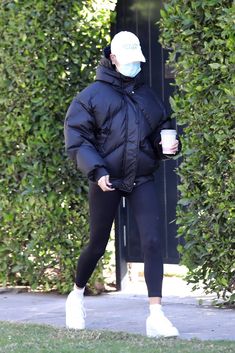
28 338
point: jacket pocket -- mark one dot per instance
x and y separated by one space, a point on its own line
146 147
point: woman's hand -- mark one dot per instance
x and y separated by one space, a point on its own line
105 184
174 148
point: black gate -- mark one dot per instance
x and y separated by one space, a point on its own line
140 17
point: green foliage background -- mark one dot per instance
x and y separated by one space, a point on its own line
201 35
49 51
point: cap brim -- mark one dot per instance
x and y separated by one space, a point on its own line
126 58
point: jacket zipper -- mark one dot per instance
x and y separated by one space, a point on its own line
126 130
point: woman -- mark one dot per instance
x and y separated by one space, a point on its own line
112 132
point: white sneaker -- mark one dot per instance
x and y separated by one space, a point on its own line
75 311
157 324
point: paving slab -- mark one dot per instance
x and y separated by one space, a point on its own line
192 313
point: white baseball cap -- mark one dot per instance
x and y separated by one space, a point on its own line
126 46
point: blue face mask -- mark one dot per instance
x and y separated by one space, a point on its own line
130 70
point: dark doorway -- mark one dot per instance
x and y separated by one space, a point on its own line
140 17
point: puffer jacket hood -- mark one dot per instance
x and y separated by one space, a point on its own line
113 127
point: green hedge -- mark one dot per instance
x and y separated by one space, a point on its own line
201 36
49 51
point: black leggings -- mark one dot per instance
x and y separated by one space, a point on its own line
103 207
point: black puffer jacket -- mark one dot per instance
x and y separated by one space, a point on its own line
113 127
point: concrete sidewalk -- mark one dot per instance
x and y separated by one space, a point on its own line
127 311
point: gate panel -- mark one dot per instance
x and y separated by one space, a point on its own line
140 17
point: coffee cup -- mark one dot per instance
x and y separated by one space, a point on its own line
168 139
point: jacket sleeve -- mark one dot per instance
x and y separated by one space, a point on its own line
80 142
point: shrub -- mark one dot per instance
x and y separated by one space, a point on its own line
49 50
200 35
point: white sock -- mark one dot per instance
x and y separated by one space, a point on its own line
79 291
154 308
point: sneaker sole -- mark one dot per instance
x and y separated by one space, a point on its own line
74 327
152 333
